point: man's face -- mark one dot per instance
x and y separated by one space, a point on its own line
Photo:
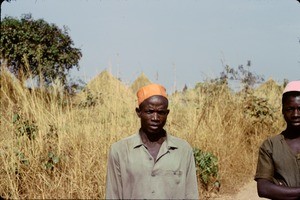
153 113
291 112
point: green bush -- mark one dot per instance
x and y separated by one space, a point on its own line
24 127
207 169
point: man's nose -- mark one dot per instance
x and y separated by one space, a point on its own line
297 112
155 116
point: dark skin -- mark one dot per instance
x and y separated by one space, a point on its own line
291 113
153 113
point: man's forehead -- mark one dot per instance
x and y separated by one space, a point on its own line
155 106
293 98
156 99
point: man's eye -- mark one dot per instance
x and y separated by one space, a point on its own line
162 112
292 109
148 111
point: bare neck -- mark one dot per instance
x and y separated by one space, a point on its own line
291 133
153 138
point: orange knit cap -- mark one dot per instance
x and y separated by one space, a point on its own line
150 90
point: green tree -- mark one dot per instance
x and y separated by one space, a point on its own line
37 49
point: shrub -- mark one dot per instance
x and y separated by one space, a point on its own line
24 127
207 169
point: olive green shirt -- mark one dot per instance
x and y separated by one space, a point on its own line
277 163
133 174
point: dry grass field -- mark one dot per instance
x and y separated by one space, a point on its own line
54 146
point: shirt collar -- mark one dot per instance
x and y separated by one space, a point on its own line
137 141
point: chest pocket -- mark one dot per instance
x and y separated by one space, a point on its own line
173 177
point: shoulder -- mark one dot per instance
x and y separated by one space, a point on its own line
272 141
179 142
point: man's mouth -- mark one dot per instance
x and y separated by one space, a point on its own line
154 126
295 122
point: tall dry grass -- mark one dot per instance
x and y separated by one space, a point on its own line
55 146
214 119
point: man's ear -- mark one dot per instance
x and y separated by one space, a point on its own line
138 112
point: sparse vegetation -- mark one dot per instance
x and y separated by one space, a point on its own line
207 169
52 150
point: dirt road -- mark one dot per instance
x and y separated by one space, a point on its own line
248 192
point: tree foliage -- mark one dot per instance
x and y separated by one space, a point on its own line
1 1
37 49
242 74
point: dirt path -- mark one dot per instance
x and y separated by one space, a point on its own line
248 192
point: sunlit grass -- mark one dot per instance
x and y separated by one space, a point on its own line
67 156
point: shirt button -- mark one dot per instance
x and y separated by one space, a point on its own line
152 174
150 158
153 192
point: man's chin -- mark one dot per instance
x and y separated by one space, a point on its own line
295 126
154 131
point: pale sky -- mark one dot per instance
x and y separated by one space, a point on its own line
175 42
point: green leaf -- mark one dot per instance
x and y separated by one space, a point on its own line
55 159
16 118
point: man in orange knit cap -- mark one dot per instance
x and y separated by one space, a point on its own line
278 167
151 164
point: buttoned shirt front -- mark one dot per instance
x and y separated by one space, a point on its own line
277 162
132 172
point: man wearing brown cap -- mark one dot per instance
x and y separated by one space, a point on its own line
151 164
278 167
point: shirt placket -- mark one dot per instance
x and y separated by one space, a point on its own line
156 169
